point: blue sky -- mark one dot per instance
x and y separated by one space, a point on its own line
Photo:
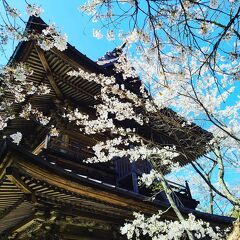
66 15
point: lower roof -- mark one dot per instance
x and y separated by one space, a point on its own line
22 173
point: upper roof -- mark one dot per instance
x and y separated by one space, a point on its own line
51 67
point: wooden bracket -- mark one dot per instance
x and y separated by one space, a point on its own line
14 177
49 73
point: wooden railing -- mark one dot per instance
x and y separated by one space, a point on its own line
69 148
127 172
132 170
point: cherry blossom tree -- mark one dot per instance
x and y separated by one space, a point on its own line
187 56
187 53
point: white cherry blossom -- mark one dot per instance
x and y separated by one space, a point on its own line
34 10
16 137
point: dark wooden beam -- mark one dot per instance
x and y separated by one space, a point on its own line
6 162
13 176
85 222
70 182
77 60
22 52
49 73
74 85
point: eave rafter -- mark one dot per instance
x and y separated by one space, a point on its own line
75 86
49 73
13 176
52 80
4 165
12 207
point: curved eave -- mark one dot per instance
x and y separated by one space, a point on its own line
96 191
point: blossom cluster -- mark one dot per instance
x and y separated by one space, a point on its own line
50 38
125 67
12 30
14 80
127 147
13 12
114 101
116 147
16 137
158 228
148 178
34 10
6 113
180 75
118 103
31 9
15 83
28 112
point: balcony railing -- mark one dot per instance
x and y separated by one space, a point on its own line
72 147
127 177
127 173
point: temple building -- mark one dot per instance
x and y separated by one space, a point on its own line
47 191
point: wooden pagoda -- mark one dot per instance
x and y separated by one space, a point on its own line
46 190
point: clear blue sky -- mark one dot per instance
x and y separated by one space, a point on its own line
66 15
